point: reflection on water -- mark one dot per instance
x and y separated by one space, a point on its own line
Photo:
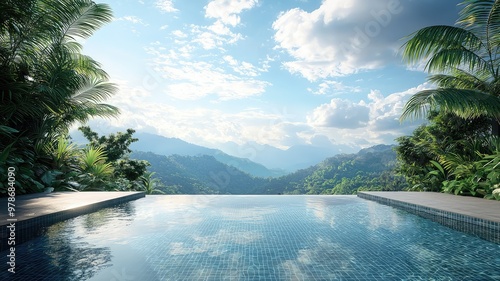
254 238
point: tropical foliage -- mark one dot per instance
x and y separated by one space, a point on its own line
47 85
463 61
151 184
458 151
127 174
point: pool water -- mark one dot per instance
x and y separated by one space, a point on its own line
197 237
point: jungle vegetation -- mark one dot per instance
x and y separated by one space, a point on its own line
459 150
48 85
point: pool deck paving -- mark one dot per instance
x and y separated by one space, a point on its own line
470 206
33 212
477 216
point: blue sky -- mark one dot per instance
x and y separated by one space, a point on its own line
229 73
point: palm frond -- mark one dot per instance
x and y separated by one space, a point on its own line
459 57
88 66
430 40
94 91
465 103
78 18
481 16
460 79
97 110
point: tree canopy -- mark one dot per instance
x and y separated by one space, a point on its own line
459 150
46 83
463 61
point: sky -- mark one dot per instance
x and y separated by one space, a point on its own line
233 73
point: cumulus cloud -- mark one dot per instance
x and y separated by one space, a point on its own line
333 87
179 33
197 124
166 6
385 111
344 37
226 14
365 123
340 114
341 123
227 11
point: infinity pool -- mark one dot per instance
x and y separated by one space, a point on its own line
253 238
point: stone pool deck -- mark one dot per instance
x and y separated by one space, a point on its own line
33 212
471 215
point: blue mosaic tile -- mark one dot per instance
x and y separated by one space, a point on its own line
254 238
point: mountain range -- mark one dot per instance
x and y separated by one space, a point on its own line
174 146
253 158
369 169
186 168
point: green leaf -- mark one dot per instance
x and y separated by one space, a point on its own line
439 167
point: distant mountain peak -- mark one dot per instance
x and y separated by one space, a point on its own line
173 146
377 148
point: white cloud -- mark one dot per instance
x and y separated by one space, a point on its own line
345 37
134 20
188 80
243 68
333 87
196 123
179 33
340 123
365 122
166 6
214 36
219 28
227 11
142 110
226 15
385 111
340 114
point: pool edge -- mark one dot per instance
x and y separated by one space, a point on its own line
483 228
30 228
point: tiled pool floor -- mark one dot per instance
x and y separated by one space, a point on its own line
254 238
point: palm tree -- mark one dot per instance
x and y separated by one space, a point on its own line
46 83
464 62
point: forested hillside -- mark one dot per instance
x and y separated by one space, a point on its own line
370 169
199 175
